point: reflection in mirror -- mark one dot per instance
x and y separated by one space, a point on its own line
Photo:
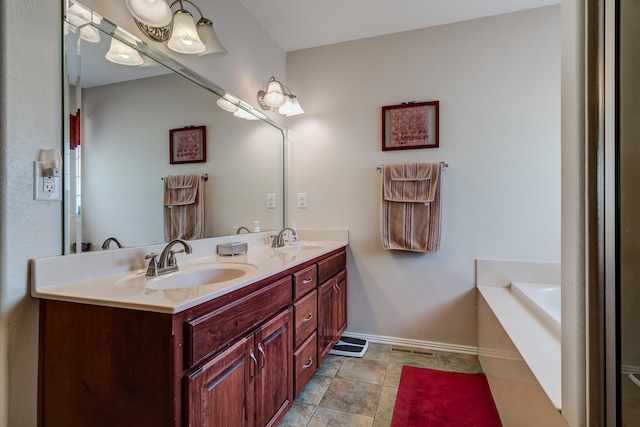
117 151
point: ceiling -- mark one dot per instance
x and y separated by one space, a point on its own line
300 24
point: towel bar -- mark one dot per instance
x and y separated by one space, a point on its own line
444 166
204 176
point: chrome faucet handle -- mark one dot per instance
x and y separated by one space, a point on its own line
278 241
166 255
153 264
172 257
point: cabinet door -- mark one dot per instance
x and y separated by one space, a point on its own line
274 379
326 334
340 305
219 393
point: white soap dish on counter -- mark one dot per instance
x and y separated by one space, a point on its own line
232 248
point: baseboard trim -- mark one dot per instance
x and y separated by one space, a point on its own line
500 354
427 345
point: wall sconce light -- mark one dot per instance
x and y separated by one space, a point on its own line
180 32
278 97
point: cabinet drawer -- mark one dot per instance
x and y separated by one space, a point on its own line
305 312
305 362
305 281
330 266
207 334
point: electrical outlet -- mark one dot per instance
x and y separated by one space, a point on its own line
302 200
49 185
271 201
46 188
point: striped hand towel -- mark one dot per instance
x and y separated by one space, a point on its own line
411 207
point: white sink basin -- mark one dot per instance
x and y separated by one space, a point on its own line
188 277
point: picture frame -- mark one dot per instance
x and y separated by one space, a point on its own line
411 125
188 145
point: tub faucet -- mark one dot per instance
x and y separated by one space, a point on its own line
167 262
242 228
278 241
107 243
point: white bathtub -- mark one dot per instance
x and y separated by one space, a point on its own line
543 300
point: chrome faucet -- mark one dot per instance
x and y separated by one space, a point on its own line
278 241
167 262
242 228
107 243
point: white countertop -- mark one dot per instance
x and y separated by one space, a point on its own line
100 278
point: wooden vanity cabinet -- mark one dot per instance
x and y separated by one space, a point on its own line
236 360
249 384
332 302
306 322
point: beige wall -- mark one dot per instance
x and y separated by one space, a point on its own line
498 83
30 120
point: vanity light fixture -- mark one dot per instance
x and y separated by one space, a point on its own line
155 13
278 97
181 33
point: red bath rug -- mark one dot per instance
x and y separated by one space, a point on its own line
429 398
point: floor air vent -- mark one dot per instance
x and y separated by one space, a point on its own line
409 351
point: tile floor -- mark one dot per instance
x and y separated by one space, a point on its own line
361 392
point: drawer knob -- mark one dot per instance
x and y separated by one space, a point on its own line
308 365
307 281
309 317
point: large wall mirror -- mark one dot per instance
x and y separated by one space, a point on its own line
117 144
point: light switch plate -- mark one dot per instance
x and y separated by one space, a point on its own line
271 201
302 200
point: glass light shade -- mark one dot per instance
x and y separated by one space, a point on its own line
227 105
244 114
80 17
286 107
294 108
120 53
90 34
208 35
184 36
155 13
274 96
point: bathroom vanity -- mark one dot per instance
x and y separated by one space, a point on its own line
231 354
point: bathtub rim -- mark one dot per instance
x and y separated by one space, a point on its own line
522 291
538 346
